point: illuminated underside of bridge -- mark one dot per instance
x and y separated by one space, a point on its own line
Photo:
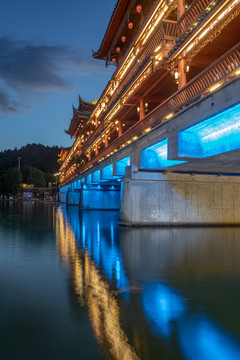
167 147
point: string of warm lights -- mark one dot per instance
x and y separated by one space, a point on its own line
108 123
150 25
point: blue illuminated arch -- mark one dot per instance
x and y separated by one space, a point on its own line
121 165
107 172
213 136
96 176
156 156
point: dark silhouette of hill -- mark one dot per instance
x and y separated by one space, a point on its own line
32 155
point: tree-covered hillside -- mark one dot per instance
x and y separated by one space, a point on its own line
33 156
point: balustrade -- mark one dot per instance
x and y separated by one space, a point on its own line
214 75
195 10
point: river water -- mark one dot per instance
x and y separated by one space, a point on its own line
76 285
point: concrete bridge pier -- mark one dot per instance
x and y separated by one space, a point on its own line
63 197
93 196
100 197
167 198
73 197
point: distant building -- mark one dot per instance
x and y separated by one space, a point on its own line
28 195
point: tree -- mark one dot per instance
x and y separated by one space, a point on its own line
25 172
37 155
49 177
13 180
36 178
3 184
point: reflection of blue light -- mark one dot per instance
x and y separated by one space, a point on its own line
216 135
112 234
84 186
97 239
156 156
118 270
121 164
83 235
98 232
162 305
203 339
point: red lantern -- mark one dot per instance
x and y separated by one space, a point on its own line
139 8
114 60
118 49
123 38
130 25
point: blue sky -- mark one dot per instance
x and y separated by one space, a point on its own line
45 63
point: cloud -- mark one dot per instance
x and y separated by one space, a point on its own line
25 65
27 68
6 105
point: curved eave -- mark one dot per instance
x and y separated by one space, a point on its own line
114 23
78 116
64 152
85 106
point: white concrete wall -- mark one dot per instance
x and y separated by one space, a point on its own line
180 199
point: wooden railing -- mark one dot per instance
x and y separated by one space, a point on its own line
219 71
168 29
196 9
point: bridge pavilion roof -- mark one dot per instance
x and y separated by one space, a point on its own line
63 153
80 117
125 12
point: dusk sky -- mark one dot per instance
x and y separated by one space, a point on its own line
45 63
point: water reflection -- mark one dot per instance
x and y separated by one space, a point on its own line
154 293
83 249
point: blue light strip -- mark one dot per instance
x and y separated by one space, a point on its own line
156 156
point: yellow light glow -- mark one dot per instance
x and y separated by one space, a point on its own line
210 26
169 116
147 130
152 27
158 48
214 87
159 57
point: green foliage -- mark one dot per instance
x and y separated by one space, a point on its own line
50 178
25 172
36 178
32 155
11 181
3 184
